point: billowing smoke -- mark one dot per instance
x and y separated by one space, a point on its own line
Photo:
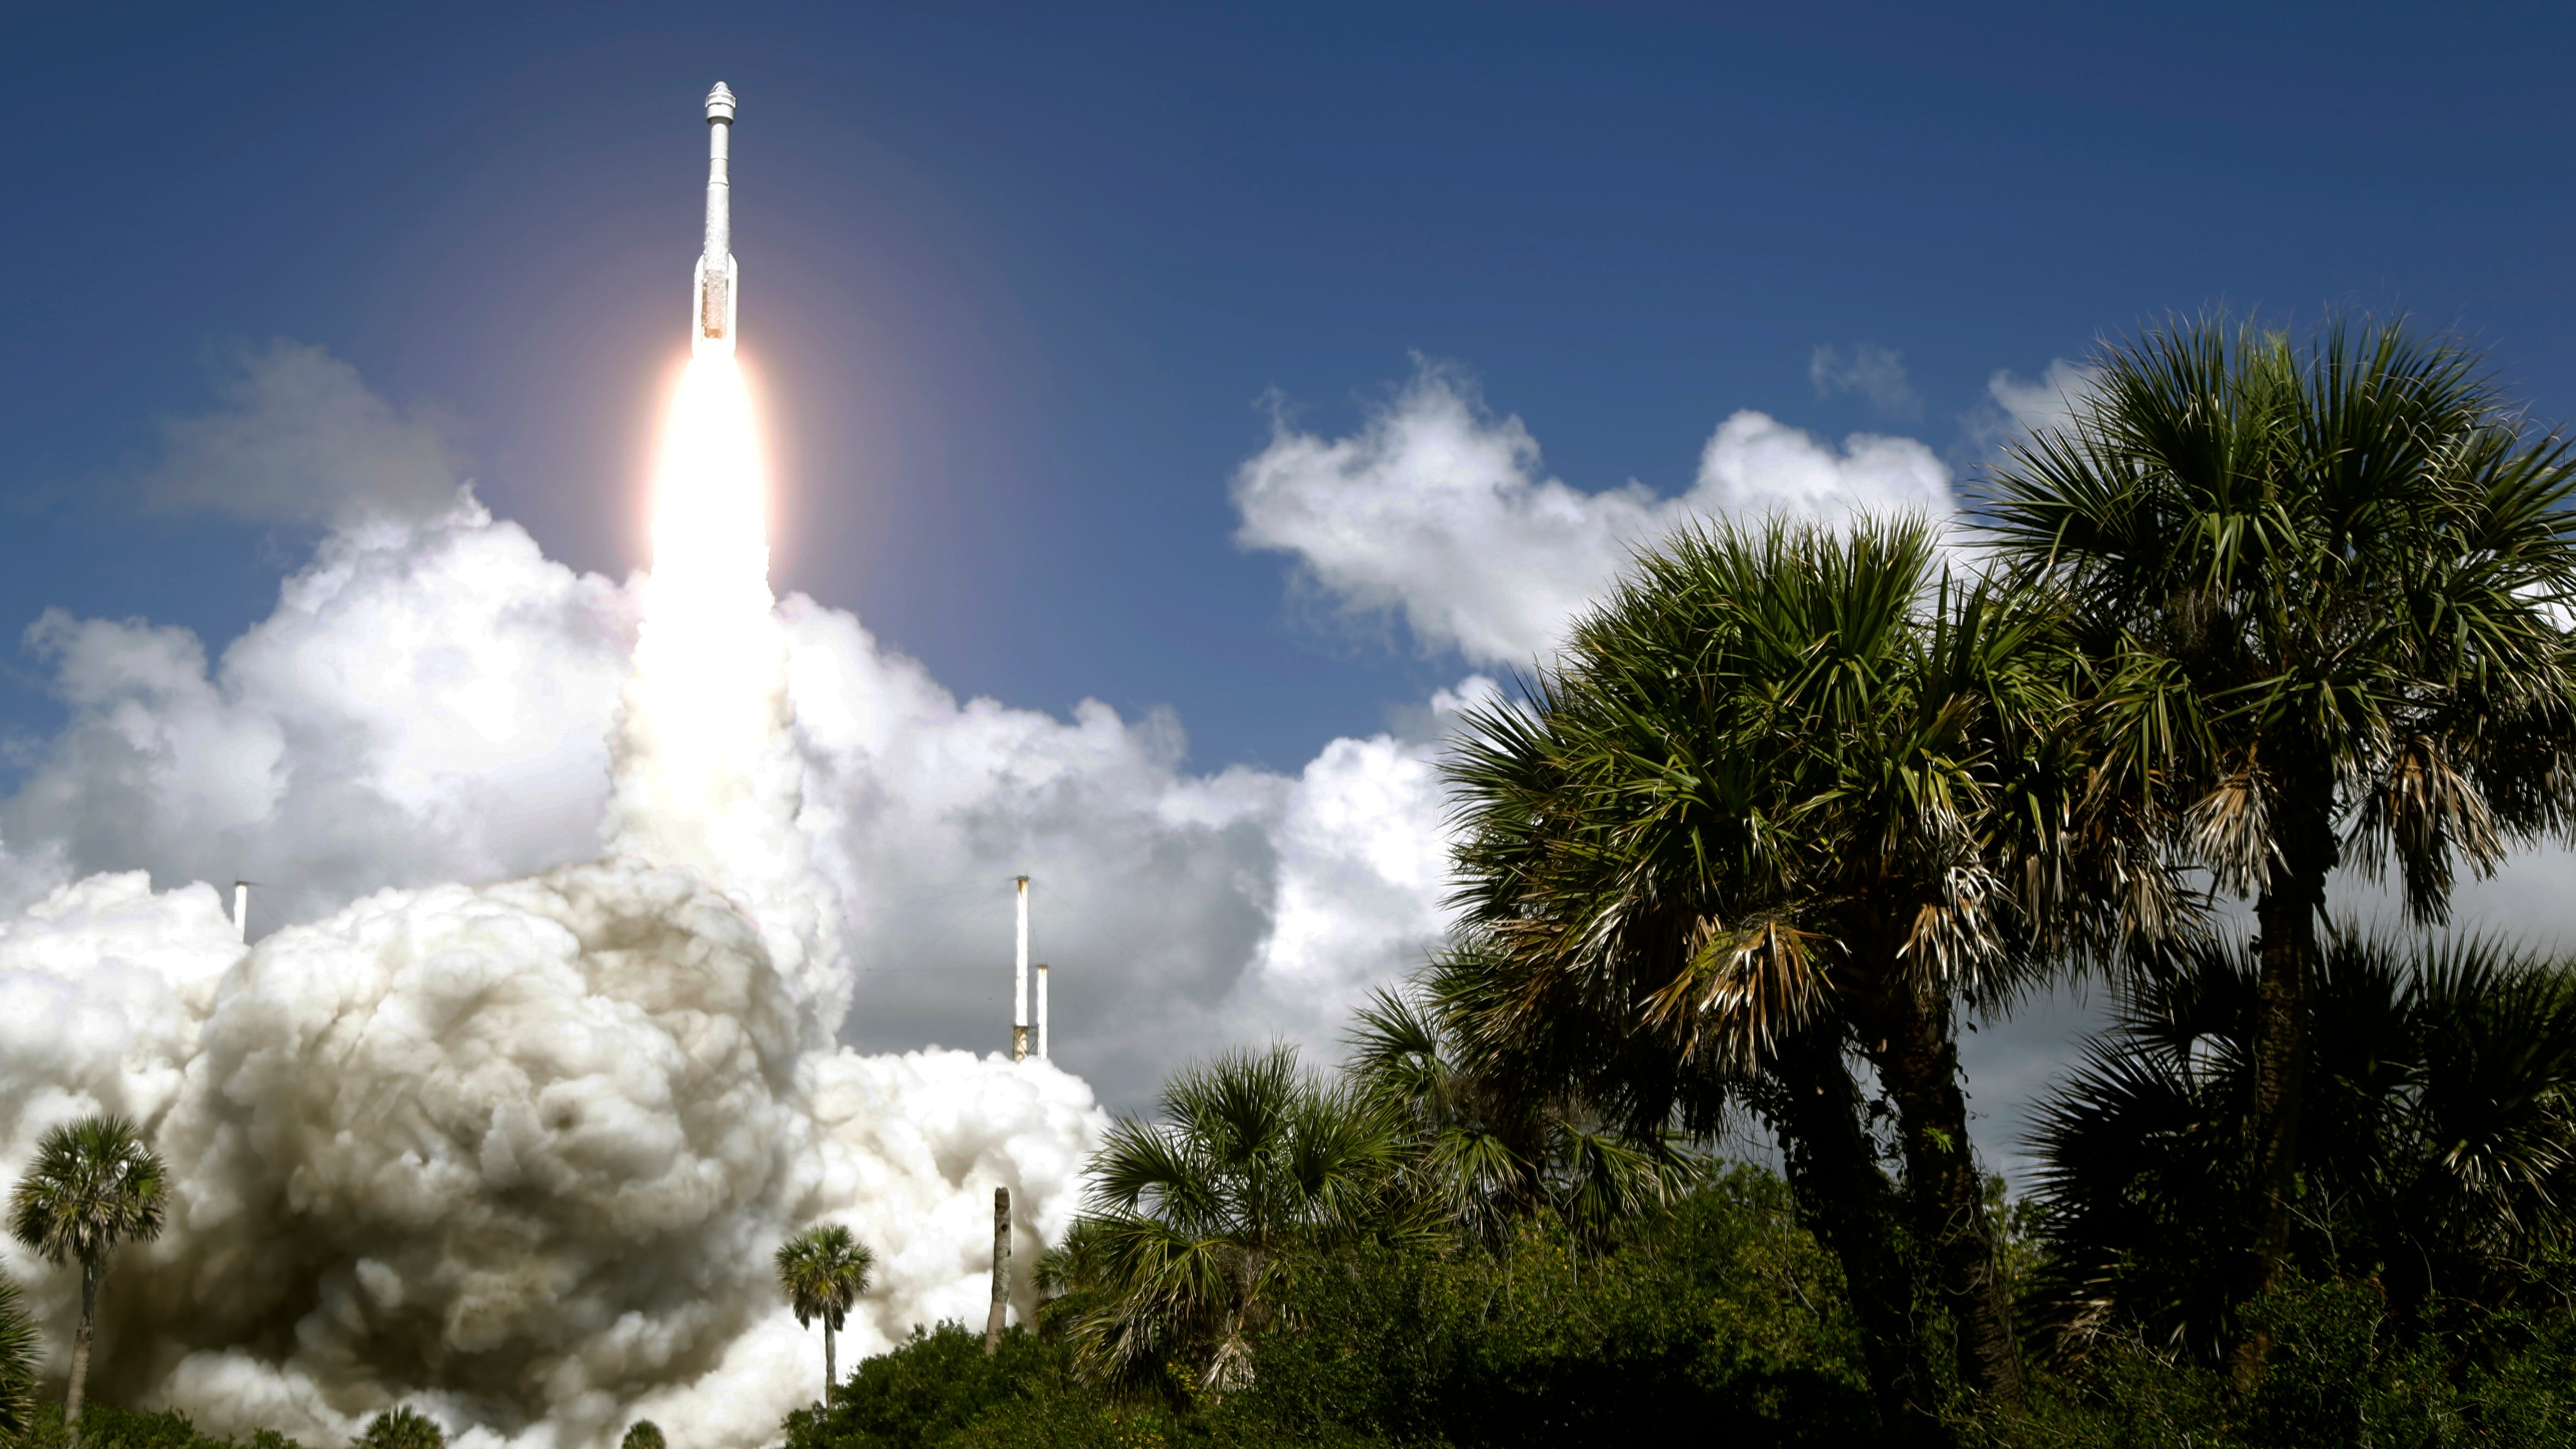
518 1153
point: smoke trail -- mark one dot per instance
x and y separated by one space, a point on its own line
517 1153
707 777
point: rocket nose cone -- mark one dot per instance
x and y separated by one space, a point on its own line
720 103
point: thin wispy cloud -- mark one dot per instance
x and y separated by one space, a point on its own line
1873 372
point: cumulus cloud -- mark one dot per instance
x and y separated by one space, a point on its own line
1439 512
301 439
2017 408
1876 373
427 702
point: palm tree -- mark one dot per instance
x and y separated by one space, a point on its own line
1482 1157
2323 584
1194 1226
17 1365
824 1270
1788 794
402 1427
93 1184
2441 1129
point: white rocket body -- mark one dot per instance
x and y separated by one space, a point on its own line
716 290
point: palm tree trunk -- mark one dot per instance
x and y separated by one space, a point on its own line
2285 914
1847 1203
80 1354
831 1370
1917 1057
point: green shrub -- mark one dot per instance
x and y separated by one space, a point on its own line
1722 1312
2340 1371
938 1383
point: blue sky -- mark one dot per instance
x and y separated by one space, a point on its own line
1020 278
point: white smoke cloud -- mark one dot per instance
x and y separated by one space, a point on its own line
516 1152
1437 511
429 701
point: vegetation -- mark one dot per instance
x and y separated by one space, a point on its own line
106 1427
1722 1314
2441 1132
18 1359
1721 1311
1198 1225
642 1434
1791 796
1476 1159
2322 586
824 1270
1793 802
92 1186
402 1427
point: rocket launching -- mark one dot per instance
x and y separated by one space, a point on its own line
716 290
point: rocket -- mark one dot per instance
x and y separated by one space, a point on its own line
715 294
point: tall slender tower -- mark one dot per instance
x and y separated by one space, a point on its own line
1020 979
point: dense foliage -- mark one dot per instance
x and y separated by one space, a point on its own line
1724 1318
105 1427
2321 586
1723 1311
18 1358
2441 1130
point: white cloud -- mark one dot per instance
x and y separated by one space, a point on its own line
301 439
1876 373
1179 911
1438 511
2019 408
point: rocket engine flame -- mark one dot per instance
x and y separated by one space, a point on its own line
709 680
